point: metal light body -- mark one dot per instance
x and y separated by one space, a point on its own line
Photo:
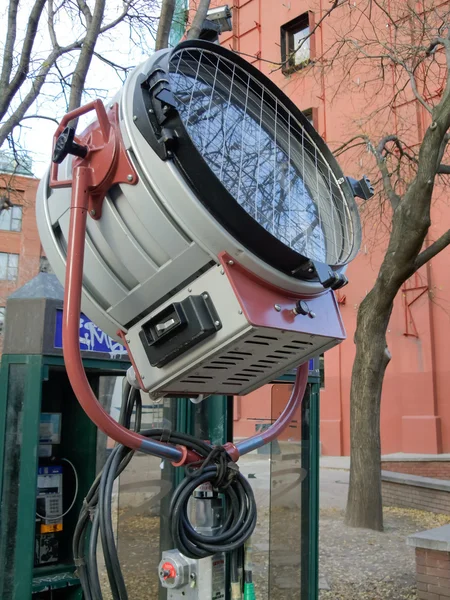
173 233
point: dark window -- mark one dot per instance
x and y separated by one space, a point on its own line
2 318
308 113
44 265
296 43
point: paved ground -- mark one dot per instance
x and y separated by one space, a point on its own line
354 564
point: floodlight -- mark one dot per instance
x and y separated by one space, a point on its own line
219 224
221 15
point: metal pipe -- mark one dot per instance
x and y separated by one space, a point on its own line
71 325
283 420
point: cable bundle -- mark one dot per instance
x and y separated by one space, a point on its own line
215 466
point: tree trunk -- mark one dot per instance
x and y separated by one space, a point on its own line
197 22
165 23
364 505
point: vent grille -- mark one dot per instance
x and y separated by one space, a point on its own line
249 363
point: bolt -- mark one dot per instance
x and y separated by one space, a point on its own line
189 290
231 263
134 118
240 312
222 272
433 125
130 177
127 340
142 377
111 106
205 296
192 575
217 323
277 307
311 270
92 213
169 153
311 314
151 111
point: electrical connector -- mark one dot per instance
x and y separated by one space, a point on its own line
249 591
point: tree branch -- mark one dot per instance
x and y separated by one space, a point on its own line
432 250
9 92
9 44
85 58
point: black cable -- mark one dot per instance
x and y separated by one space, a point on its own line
214 466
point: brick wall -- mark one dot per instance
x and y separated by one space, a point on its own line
433 468
420 498
432 574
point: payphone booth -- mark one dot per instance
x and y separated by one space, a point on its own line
50 452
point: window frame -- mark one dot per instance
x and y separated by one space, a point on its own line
287 31
8 255
10 210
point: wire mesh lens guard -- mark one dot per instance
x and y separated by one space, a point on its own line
263 155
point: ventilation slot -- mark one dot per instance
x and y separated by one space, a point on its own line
238 379
228 363
268 362
283 352
301 343
199 377
217 368
252 371
239 354
266 337
293 347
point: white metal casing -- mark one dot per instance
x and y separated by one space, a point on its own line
153 237
238 358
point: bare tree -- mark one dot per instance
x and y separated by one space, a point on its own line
58 45
400 54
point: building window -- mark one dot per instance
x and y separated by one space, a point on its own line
296 43
9 266
11 219
2 318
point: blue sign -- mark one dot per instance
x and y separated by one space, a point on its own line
92 338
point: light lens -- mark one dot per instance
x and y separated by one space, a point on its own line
262 155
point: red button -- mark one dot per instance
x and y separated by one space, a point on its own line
169 571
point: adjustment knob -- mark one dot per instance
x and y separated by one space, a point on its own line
302 308
65 145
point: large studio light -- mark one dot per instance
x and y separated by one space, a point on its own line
215 255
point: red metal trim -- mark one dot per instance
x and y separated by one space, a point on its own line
122 336
107 157
258 300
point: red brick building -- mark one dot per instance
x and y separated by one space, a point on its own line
20 246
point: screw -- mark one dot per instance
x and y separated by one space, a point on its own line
311 270
312 315
92 213
169 153
130 177
151 111
142 377
111 106
192 575
217 323
277 307
231 263
205 296
189 290
134 118
240 312
127 340
222 272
